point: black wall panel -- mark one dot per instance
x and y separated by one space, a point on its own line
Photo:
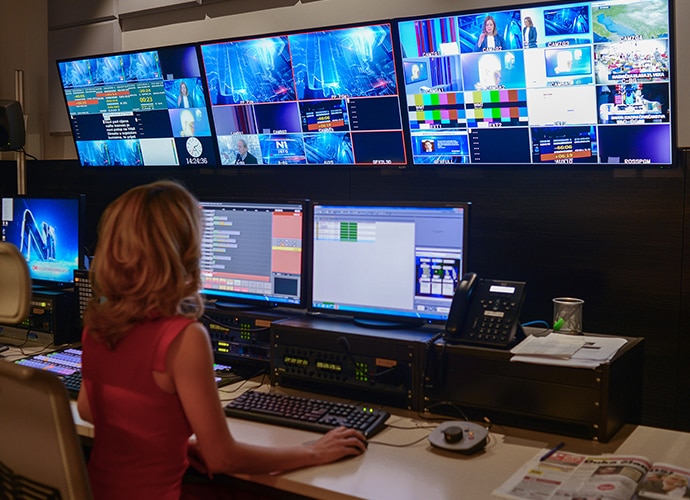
613 237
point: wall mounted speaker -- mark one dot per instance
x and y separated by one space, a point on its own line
11 125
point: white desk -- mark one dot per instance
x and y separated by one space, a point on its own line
413 469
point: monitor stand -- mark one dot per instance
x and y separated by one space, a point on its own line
382 324
239 306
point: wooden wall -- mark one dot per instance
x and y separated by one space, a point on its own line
613 237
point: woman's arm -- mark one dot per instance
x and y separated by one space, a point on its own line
83 405
190 363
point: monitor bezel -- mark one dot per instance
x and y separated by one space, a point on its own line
384 317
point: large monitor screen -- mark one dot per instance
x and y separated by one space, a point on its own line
395 262
139 109
554 83
327 97
253 253
47 233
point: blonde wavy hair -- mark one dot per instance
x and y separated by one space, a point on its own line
146 263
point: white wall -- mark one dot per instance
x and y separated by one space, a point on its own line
23 44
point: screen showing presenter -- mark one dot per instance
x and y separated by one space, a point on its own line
244 157
529 33
489 38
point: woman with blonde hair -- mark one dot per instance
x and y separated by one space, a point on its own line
529 34
147 363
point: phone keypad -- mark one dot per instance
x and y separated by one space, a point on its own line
496 322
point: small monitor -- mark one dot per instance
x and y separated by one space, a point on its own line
47 232
253 253
388 264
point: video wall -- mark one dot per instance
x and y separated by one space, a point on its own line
532 84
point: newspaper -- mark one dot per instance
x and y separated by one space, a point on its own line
572 476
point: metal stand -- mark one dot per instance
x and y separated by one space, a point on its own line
20 155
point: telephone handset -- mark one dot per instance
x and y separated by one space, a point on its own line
485 312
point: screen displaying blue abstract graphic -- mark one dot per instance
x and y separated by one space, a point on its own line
47 233
321 97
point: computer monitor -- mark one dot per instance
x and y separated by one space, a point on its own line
139 109
48 233
253 253
388 264
326 97
541 84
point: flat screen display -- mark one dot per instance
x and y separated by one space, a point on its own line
253 253
554 83
47 233
139 109
389 262
327 97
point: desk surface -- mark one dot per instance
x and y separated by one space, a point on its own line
400 462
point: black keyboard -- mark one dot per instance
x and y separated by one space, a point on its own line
306 413
72 383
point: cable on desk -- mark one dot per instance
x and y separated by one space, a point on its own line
241 385
395 445
545 324
444 403
42 350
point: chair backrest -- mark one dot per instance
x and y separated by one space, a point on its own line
15 285
40 453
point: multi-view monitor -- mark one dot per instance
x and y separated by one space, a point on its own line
585 82
319 98
530 84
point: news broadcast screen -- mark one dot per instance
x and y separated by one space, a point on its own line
327 97
561 83
139 109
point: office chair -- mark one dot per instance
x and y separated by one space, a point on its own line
15 285
40 453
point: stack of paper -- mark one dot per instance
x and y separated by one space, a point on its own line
583 351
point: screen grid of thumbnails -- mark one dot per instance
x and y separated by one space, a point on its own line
534 84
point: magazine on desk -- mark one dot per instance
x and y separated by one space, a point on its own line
570 476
